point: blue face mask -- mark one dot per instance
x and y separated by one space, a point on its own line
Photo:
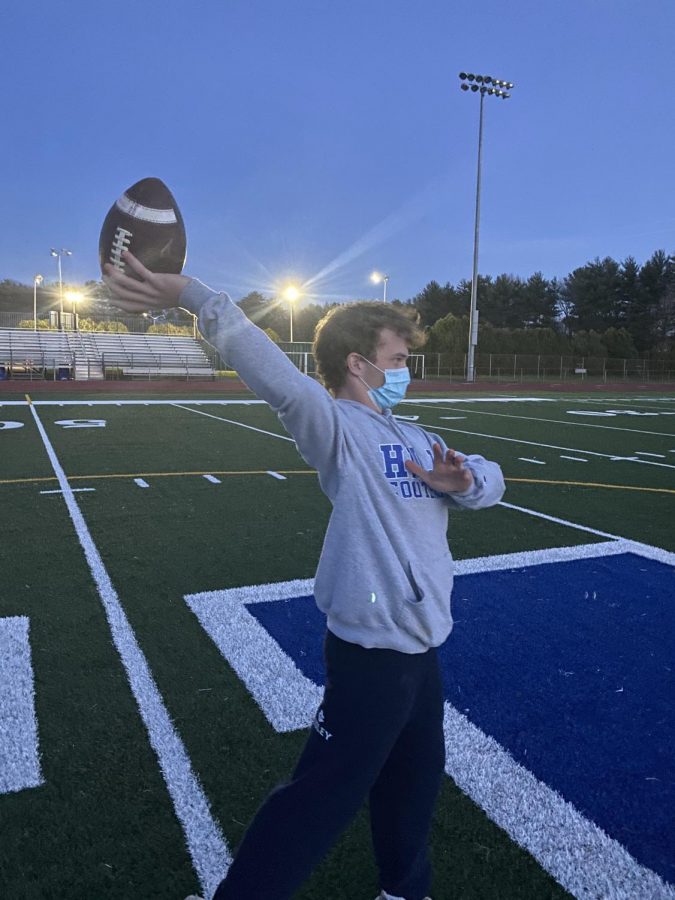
393 390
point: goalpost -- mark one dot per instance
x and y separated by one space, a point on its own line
416 364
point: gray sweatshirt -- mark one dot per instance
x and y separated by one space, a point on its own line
385 573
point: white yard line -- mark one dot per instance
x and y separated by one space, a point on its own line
557 521
276 475
200 412
480 412
206 844
573 458
499 437
213 479
539 462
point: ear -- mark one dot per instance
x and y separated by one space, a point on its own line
354 363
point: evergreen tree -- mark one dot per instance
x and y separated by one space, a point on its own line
501 303
539 307
433 302
655 324
594 293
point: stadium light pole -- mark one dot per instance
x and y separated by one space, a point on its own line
492 87
194 321
376 278
58 254
37 279
291 294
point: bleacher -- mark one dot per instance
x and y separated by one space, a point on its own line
86 355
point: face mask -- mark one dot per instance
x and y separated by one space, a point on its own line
393 390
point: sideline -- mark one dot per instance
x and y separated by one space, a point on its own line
206 844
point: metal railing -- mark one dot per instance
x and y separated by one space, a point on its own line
113 324
510 368
550 368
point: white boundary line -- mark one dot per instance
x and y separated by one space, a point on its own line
572 398
499 437
287 698
576 852
205 841
19 754
573 849
480 412
166 402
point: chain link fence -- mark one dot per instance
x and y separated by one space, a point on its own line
551 369
501 368
510 368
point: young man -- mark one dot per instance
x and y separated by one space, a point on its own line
384 582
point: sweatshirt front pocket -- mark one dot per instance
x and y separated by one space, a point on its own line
425 613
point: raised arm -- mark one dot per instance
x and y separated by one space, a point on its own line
305 408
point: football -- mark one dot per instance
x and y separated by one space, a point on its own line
145 220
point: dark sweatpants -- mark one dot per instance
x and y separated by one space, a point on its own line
378 734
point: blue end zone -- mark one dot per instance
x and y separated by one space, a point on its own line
570 667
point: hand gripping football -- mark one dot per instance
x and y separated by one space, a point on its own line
145 220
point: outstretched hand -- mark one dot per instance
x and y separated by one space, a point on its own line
448 473
155 290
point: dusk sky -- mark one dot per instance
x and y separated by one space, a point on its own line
323 139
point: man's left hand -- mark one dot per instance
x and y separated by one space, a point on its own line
448 475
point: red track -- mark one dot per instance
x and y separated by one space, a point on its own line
234 385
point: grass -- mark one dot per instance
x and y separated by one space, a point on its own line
102 825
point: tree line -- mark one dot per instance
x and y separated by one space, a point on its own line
601 296
604 307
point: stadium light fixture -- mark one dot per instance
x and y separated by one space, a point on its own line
74 297
37 279
379 278
497 88
58 254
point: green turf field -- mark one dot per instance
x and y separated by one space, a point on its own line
101 574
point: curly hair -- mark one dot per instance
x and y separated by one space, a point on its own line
355 328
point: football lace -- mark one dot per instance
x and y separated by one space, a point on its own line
120 243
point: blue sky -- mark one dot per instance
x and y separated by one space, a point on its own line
321 140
